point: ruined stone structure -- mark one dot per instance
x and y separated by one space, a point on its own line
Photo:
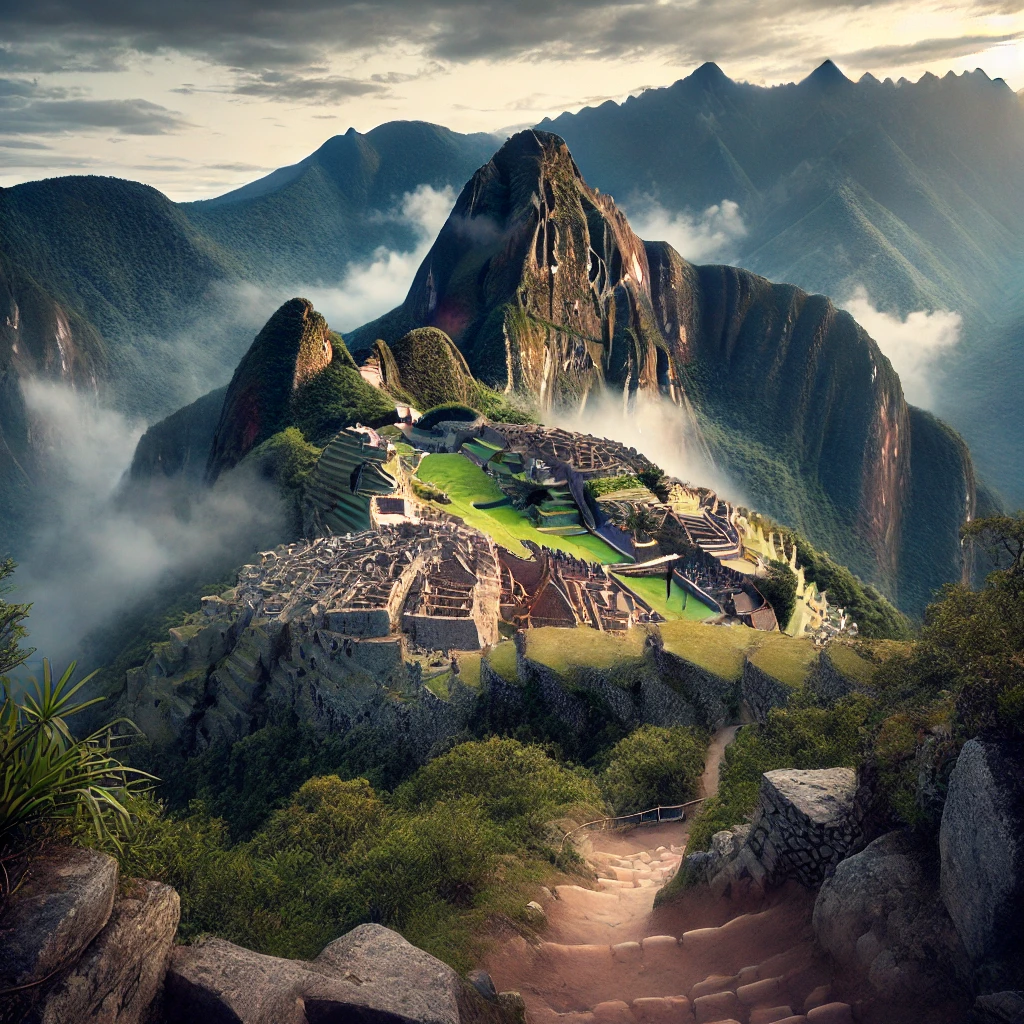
589 456
555 589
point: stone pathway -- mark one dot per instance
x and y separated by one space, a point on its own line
607 956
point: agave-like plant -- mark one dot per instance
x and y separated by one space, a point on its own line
52 782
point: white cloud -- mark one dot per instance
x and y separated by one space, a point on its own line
915 346
371 289
708 237
94 555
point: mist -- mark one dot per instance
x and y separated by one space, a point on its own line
93 556
371 289
916 346
707 237
657 428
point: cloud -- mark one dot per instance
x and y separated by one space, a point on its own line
369 289
667 434
700 238
26 108
261 34
283 85
915 346
94 557
925 50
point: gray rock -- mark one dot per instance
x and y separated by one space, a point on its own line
882 920
981 842
370 974
484 984
120 974
64 901
999 1008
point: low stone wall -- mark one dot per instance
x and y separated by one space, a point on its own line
711 698
762 692
829 682
806 822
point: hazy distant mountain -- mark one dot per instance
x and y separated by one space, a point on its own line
913 190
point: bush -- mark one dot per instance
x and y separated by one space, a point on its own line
778 587
653 766
54 786
794 737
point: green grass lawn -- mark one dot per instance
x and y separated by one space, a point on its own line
719 649
502 658
652 590
563 649
850 663
786 658
468 485
469 668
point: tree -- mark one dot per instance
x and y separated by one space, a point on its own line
778 588
12 630
654 765
1002 538
639 520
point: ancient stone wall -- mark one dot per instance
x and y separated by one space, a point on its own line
762 692
711 697
806 822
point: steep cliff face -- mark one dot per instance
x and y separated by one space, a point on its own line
544 287
293 347
39 338
538 279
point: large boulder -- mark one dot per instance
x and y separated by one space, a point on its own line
371 974
981 842
120 974
882 920
805 823
65 897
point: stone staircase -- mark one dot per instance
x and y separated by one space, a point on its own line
607 956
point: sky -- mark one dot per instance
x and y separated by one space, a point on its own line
196 98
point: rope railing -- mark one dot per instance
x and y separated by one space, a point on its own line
652 816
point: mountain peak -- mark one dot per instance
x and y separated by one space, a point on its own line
826 76
709 75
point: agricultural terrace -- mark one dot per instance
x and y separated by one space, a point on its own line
652 590
583 647
469 487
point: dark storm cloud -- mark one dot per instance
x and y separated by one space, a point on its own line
256 35
26 108
925 50
284 85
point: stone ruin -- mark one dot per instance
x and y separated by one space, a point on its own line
556 589
588 456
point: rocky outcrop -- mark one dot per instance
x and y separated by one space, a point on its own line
179 445
293 347
881 918
74 950
369 975
981 842
806 822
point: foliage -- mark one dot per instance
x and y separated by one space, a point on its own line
288 458
519 786
52 783
448 411
1002 538
654 765
12 629
655 480
454 845
599 486
795 737
338 397
778 587
523 493
638 519
428 492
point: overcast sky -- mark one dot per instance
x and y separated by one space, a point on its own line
199 96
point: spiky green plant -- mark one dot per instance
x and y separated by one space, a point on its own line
53 785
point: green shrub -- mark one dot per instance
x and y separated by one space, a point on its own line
778 587
652 766
55 786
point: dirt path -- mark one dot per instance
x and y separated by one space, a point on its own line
606 956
